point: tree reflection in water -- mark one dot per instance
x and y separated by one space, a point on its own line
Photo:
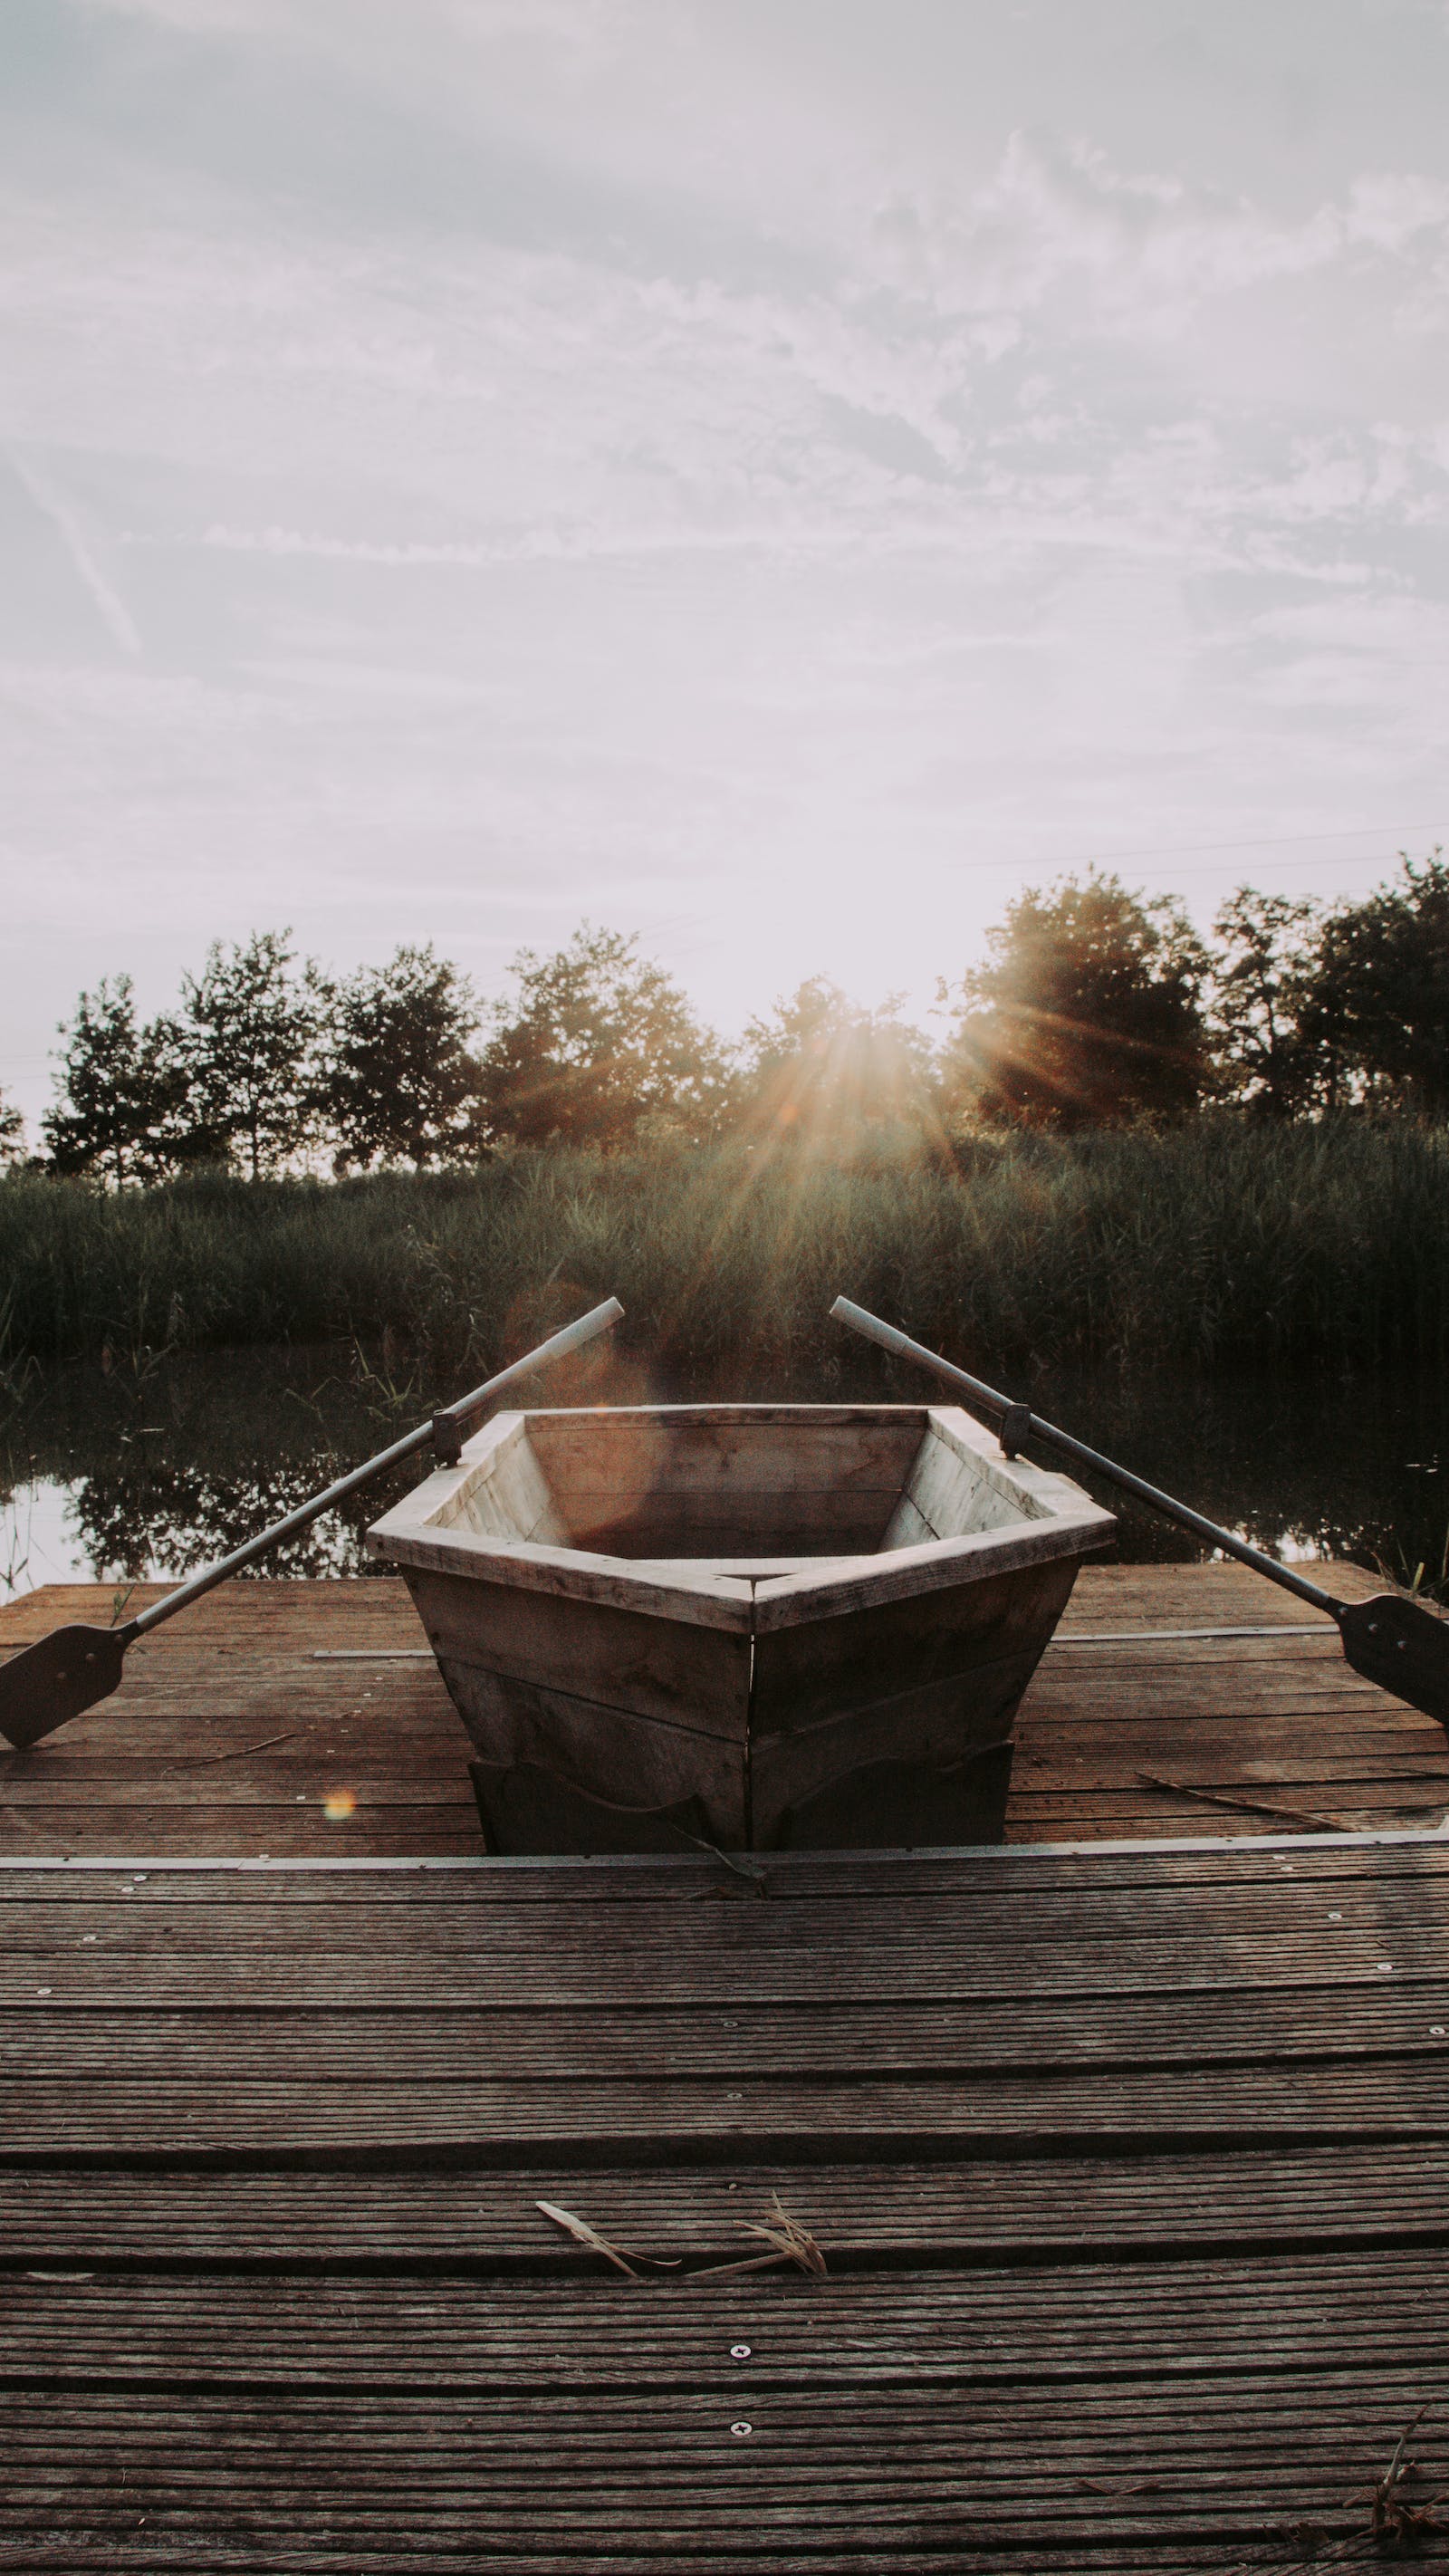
1304 1467
128 1518
169 1468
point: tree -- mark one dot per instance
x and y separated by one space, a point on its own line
1087 1012
1262 974
597 1046
249 1042
398 1083
1376 1006
12 1134
120 1089
825 1072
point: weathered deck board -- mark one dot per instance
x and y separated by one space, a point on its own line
1131 2163
1026 2035
481 2220
983 2328
885 2480
1137 2256
233 1727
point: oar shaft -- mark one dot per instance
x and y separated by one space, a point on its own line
989 1401
300 1519
459 1415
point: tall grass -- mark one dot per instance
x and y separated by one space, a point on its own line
1215 1243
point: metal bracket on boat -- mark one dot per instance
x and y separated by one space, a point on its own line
1015 1427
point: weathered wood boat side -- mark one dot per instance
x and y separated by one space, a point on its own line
748 1625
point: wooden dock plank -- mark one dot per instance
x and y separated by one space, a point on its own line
590 2122
1378 2021
889 2479
1129 2164
1087 2324
1136 2257
476 2221
296 1719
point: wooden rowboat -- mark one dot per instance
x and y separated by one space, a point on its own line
745 1625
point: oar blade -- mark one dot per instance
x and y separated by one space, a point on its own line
56 1679
1400 1644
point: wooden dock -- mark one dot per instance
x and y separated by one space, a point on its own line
1127 2160
308 1718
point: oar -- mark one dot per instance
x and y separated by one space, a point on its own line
76 1666
1389 1638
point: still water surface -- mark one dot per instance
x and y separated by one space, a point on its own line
127 1474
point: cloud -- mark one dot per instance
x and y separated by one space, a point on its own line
542 545
549 446
338 21
1145 248
1389 210
191 17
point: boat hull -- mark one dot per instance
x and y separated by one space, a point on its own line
618 1703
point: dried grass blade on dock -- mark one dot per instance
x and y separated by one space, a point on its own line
791 2242
583 2234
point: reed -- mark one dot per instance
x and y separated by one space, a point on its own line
1216 1243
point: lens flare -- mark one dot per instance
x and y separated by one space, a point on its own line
338 1805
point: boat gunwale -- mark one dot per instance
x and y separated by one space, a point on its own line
1066 1524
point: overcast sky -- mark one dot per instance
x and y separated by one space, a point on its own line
775 474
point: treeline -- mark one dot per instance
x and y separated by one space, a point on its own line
1094 1007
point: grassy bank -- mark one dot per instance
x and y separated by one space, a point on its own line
1216 1243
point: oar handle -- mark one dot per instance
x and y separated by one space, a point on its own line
466 1411
1025 1424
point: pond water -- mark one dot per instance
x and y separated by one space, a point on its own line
159 1468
